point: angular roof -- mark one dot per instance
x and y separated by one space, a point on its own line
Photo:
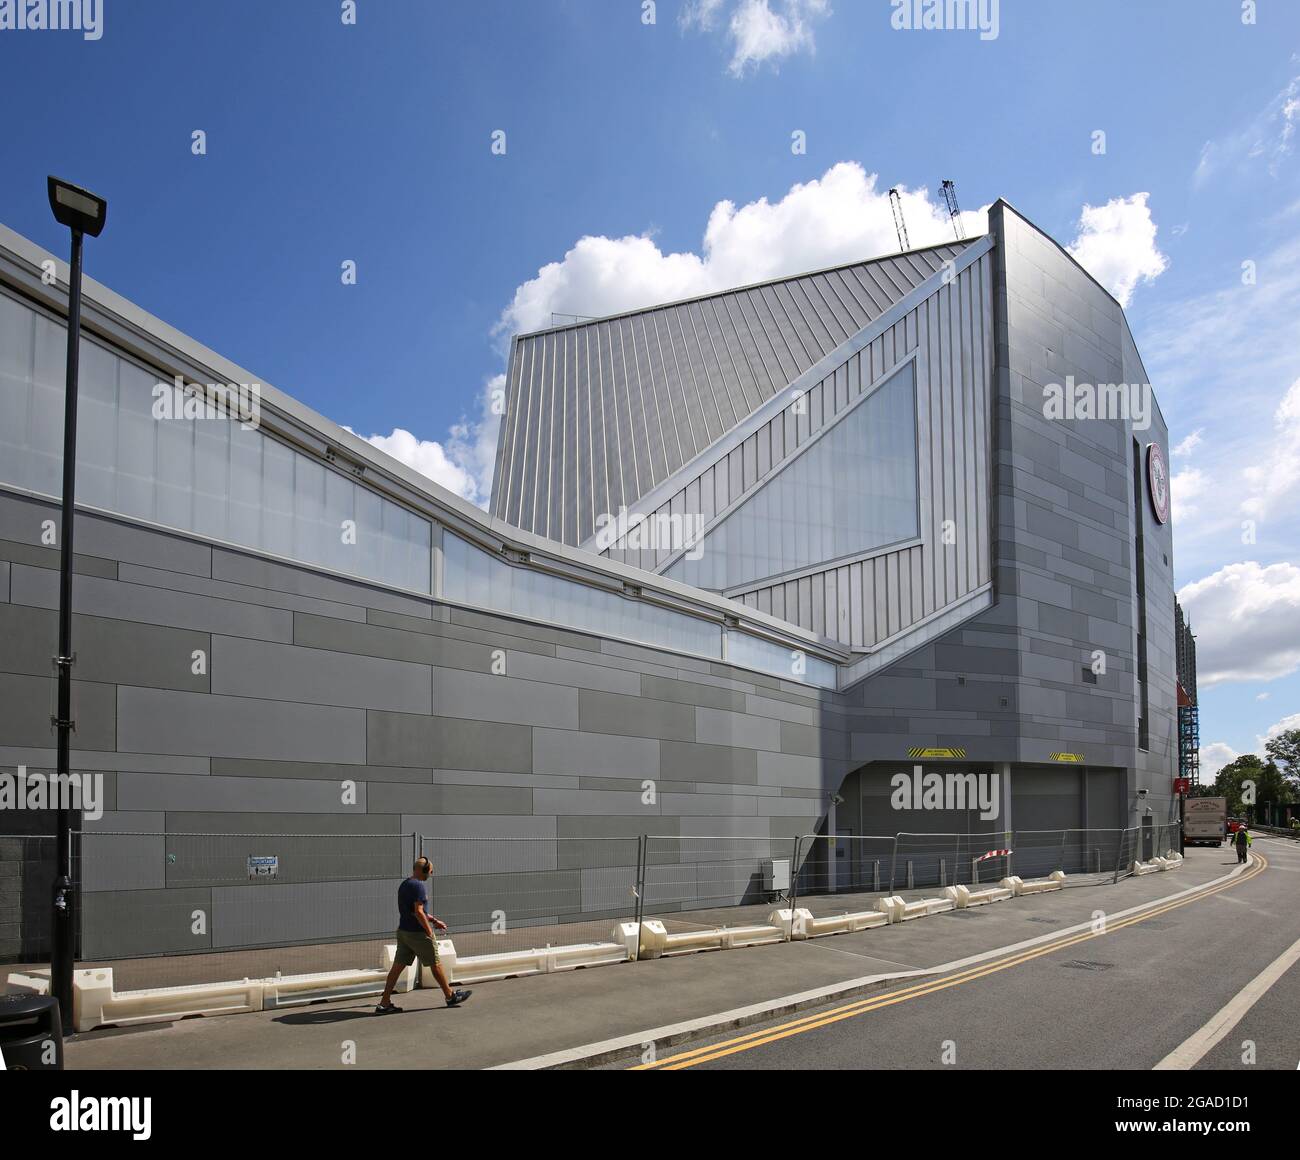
600 413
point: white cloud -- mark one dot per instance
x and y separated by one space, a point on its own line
840 217
1262 696
1274 477
464 463
1116 244
1214 757
1185 488
1289 722
759 31
1267 139
1247 622
1191 443
758 34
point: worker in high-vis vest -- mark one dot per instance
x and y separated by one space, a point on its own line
1242 840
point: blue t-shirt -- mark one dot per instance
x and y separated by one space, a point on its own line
408 894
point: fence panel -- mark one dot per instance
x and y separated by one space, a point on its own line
843 872
694 882
168 909
938 860
26 897
510 894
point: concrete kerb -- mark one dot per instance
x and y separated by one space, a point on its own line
669 1035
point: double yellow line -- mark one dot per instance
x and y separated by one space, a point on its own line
929 987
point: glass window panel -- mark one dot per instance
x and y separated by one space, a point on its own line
277 497
851 491
137 432
209 476
752 652
472 576
339 527
244 512
16 354
212 477
174 481
45 420
97 427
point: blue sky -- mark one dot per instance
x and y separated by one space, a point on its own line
372 143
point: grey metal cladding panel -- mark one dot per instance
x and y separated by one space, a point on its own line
633 429
93 596
28 702
651 364
274 914
574 459
568 752
668 381
156 721
318 676
169 791
701 413
486 697
111 651
255 572
126 923
600 499
407 739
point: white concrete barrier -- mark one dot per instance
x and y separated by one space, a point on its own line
925 906
1019 887
846 923
299 990
793 924
1140 868
892 907
964 897
28 982
96 1004
530 961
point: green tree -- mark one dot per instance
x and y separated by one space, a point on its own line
1284 749
1271 788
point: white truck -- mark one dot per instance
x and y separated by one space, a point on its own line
1205 821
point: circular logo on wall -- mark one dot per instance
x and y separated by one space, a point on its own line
1158 482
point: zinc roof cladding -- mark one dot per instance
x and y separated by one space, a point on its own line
600 412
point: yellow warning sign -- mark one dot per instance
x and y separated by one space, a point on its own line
918 752
1076 758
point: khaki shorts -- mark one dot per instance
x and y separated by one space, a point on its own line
415 944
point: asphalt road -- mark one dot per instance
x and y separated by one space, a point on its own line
1122 999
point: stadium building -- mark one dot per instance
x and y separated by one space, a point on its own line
756 565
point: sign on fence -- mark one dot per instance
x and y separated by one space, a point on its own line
263 865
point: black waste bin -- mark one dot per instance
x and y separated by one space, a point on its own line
31 1034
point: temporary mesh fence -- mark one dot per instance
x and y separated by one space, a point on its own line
510 894
693 882
26 893
172 909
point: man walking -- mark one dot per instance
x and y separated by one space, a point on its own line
1242 840
415 938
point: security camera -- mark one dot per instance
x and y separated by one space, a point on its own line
836 800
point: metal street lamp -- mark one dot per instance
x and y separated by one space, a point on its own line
83 213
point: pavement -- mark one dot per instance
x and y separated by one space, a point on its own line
594 1016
